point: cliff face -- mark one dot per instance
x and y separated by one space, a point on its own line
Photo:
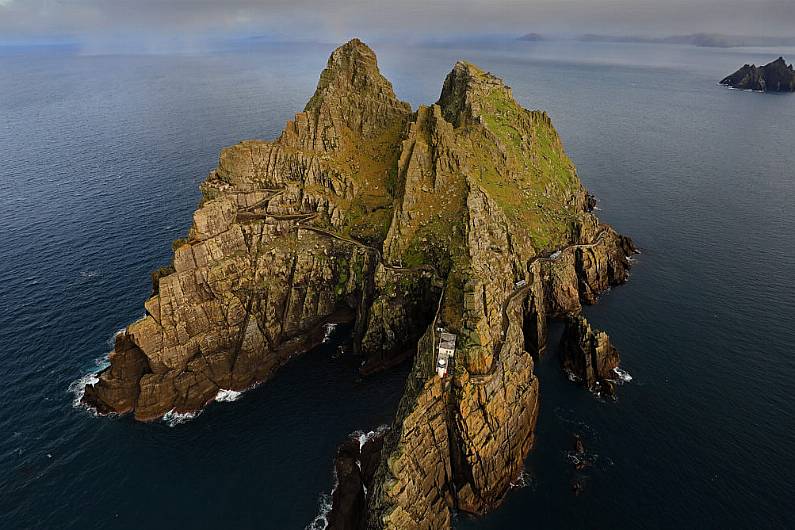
465 217
773 77
588 356
278 247
491 202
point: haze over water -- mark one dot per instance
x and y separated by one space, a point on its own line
101 159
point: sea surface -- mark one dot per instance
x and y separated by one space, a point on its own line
100 161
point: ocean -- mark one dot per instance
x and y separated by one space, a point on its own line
100 161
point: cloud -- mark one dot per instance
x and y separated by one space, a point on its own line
339 19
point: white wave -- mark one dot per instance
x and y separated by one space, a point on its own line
173 418
328 330
320 522
522 481
623 375
227 395
112 339
364 437
87 275
78 387
573 458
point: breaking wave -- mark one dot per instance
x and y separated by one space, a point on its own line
623 375
320 522
112 339
227 395
78 387
173 418
573 378
522 481
364 437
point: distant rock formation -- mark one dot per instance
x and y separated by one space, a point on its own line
466 215
773 77
532 37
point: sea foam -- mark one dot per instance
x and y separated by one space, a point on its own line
227 395
78 387
320 522
623 375
173 418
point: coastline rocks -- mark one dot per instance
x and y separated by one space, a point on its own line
588 356
776 76
466 218
458 442
268 260
354 467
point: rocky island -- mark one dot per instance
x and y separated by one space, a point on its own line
449 235
772 77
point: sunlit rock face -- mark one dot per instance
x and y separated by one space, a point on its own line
463 217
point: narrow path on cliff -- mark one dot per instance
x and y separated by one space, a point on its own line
519 291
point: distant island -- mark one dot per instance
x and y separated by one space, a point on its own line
706 40
533 37
772 77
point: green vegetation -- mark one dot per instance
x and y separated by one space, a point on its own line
368 218
158 274
208 193
342 278
178 243
535 183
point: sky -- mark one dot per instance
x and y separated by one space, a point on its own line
413 20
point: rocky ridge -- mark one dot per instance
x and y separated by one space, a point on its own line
276 251
776 76
517 245
465 215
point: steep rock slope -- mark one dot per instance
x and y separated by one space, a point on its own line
464 217
278 247
491 202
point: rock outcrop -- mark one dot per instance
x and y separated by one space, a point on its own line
493 205
280 246
772 77
588 356
465 217
355 465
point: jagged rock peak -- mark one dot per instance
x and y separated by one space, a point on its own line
776 76
464 87
352 69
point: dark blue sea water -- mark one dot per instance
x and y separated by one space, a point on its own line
100 161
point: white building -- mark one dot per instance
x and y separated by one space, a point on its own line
446 351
